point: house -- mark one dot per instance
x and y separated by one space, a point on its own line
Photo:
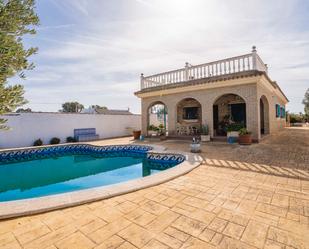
95 109
223 93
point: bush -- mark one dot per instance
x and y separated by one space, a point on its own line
205 130
38 142
71 140
244 131
234 127
54 140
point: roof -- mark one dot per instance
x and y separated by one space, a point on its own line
112 111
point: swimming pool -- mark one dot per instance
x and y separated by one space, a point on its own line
44 171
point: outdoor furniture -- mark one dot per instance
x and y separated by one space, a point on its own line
188 129
85 134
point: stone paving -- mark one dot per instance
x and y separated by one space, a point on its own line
240 197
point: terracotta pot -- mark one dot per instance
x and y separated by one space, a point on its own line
162 137
245 139
136 134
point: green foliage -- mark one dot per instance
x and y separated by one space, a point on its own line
17 18
38 142
153 128
72 107
205 130
71 140
297 118
99 107
54 140
306 102
161 130
234 127
244 131
22 110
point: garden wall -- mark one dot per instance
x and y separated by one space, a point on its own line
27 127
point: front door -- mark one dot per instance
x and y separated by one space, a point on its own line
238 112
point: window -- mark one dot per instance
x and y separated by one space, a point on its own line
190 113
277 111
282 112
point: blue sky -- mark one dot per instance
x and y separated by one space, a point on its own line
93 51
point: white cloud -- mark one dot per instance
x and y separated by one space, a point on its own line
117 40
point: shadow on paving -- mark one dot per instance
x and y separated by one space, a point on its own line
285 154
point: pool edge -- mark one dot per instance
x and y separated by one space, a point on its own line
18 208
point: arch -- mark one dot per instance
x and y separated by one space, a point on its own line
157 117
264 115
228 109
188 117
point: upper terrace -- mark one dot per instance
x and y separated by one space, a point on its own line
228 66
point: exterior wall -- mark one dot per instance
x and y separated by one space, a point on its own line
275 124
27 127
207 98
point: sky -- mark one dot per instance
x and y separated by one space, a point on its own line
93 51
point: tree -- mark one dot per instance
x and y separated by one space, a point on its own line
96 107
22 110
72 107
17 18
306 103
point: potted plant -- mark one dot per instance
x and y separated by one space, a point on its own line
205 137
161 132
152 130
136 134
232 132
195 146
245 137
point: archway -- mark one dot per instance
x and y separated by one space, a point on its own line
157 120
264 115
189 117
228 110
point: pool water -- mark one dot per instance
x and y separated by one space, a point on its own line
55 175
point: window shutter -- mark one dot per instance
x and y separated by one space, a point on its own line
277 111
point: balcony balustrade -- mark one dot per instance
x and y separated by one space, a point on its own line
236 64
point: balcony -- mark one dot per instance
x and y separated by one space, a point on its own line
237 64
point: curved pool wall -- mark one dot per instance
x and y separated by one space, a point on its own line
60 169
155 154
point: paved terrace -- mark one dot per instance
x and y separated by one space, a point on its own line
240 197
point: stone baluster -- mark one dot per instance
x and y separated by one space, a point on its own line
142 81
186 71
254 58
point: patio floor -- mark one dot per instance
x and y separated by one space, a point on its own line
240 197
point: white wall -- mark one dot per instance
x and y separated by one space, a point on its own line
27 127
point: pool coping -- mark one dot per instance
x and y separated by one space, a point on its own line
11 209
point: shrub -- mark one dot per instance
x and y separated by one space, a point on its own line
71 140
244 131
54 140
234 127
152 127
38 142
205 130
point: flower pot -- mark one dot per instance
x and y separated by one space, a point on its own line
245 139
195 148
205 138
232 134
151 133
136 134
162 137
